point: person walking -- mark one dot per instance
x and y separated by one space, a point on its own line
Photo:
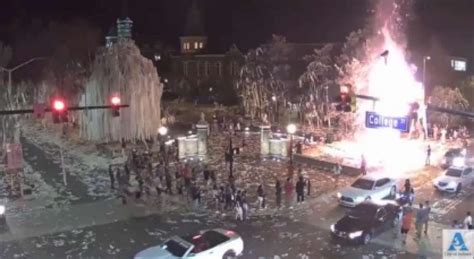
112 178
300 190
406 222
468 221
363 165
419 220
398 223
308 186
245 206
337 172
239 214
428 156
427 216
260 196
278 192
289 191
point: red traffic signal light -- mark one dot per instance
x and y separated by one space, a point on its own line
115 100
58 105
59 111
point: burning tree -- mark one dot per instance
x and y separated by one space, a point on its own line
261 85
315 83
450 98
122 69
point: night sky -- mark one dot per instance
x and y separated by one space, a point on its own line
249 23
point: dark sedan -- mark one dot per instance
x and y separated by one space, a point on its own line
365 221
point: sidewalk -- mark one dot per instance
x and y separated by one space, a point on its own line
49 221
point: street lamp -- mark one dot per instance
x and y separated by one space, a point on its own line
163 131
291 129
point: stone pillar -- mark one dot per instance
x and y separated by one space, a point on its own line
265 140
182 147
202 133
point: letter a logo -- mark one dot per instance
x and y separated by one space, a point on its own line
457 244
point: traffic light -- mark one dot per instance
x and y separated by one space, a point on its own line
59 111
115 102
345 100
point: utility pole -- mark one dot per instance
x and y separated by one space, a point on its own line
11 70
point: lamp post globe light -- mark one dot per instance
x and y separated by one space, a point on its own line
163 131
291 129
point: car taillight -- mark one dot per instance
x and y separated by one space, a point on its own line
229 233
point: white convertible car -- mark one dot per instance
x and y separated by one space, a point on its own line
454 179
208 244
374 186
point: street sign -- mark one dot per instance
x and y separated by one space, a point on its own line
14 157
375 121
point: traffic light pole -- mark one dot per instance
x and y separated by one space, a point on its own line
76 108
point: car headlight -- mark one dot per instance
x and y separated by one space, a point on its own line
2 209
333 228
339 195
355 234
452 184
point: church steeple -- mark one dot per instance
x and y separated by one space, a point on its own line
194 39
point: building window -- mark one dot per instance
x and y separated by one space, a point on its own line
234 68
196 46
219 68
201 45
185 68
458 65
206 68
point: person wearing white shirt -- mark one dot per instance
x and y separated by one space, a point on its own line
468 221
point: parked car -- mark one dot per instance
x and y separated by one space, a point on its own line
454 179
365 221
368 187
451 155
208 244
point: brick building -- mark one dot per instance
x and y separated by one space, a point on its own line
199 73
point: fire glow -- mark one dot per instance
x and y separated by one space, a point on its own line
392 80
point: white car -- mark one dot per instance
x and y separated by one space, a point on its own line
373 186
454 178
208 244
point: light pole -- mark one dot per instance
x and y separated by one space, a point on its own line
163 131
425 58
291 129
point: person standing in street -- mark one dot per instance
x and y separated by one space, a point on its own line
428 156
468 221
289 191
427 216
337 172
363 165
278 192
308 186
260 196
112 178
419 220
406 222
300 190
